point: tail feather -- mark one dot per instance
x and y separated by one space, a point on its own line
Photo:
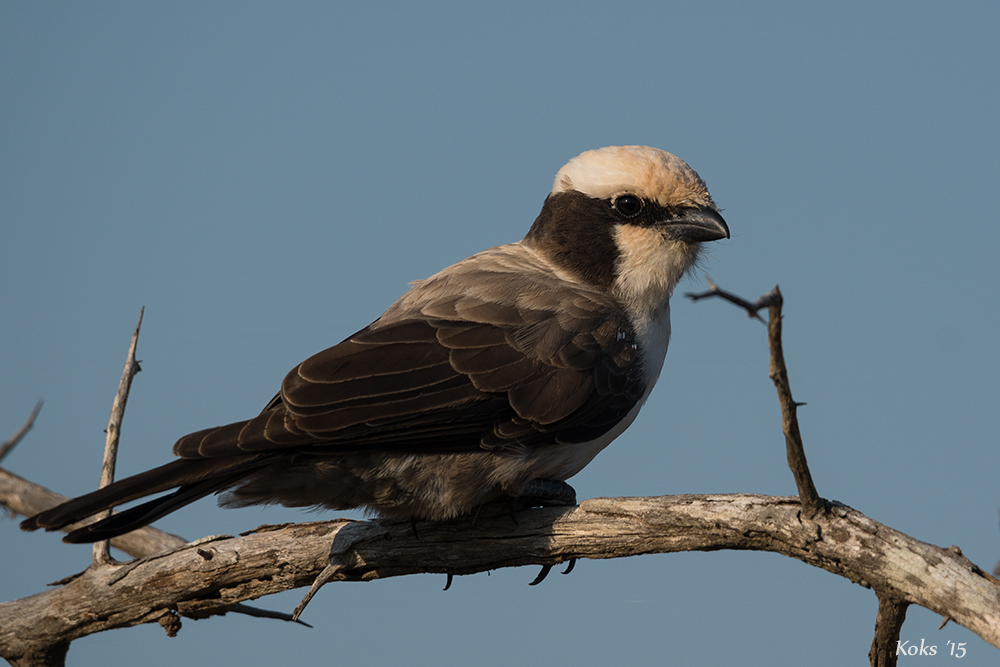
142 515
195 478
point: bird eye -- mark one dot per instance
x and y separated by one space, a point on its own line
627 205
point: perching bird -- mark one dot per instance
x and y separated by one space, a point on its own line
501 376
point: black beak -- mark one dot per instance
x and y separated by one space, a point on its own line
698 224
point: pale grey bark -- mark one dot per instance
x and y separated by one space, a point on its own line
207 577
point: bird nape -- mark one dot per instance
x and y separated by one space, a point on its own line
500 376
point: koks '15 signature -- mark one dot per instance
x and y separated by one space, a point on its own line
906 648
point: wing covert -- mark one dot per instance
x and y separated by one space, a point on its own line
491 367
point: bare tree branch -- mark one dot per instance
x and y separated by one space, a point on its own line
778 372
812 504
12 441
20 496
199 578
751 308
892 608
888 623
102 549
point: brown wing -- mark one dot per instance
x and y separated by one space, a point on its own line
484 355
421 385
461 374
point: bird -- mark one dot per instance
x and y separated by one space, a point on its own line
499 377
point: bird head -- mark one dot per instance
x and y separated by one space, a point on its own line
629 220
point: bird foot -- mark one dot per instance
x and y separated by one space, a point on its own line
542 493
547 493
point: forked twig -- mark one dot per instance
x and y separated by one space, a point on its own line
751 308
778 372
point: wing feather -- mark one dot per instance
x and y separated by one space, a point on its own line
479 356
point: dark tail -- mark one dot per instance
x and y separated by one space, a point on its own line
192 479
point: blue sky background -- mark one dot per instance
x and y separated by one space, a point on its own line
266 179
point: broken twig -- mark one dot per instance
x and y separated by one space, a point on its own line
102 549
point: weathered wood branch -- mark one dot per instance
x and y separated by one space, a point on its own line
203 577
795 451
21 496
778 372
892 608
102 549
888 623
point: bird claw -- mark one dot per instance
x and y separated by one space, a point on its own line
541 575
548 568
